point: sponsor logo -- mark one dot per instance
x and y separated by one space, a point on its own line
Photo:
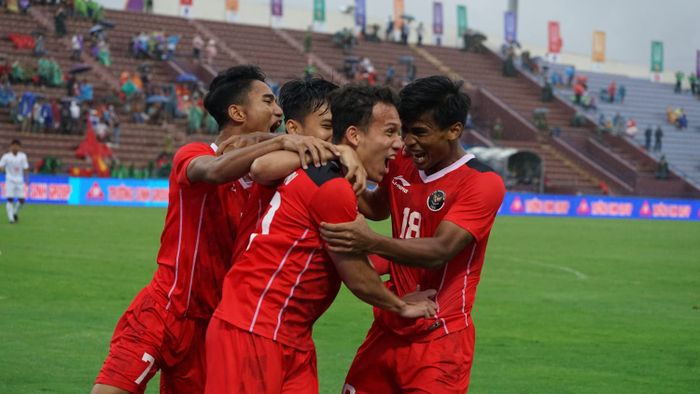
436 200
400 183
95 193
547 207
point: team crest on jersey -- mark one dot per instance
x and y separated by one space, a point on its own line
436 200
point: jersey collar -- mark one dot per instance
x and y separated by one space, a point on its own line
433 177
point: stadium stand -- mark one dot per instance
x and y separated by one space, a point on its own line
576 160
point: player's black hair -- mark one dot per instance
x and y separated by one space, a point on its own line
352 105
228 88
439 96
299 98
16 142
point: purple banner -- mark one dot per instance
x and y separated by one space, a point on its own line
510 27
437 18
276 7
360 13
524 204
134 5
697 64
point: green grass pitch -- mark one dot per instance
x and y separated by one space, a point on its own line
564 305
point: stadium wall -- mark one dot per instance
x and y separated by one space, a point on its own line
154 193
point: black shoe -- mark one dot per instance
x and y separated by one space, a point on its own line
16 218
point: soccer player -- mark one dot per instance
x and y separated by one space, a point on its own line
164 327
259 340
443 203
14 163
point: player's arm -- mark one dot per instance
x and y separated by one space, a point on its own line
429 252
235 163
362 280
270 168
374 204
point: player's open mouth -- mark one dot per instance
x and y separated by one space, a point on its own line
419 157
275 126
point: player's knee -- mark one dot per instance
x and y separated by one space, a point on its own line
105 389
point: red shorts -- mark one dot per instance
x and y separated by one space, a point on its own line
148 338
242 362
388 363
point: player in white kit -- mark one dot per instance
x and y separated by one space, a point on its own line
15 164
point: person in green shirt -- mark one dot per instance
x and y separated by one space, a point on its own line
55 74
18 73
679 80
44 70
693 81
194 119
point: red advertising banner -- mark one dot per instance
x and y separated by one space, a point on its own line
555 41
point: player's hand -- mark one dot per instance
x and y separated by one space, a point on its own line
314 147
241 141
349 237
419 304
356 173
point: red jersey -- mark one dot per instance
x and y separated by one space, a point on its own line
255 205
197 240
466 193
284 281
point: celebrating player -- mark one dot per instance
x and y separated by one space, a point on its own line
442 203
14 163
259 340
164 327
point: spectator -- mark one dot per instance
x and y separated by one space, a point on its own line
619 123
74 117
682 120
309 70
194 118
43 70
46 115
76 44
693 81
612 89
389 33
148 6
171 46
658 135
579 90
570 72
420 30
308 40
111 118
631 128
497 130
37 119
647 138
211 52
621 93
7 95
65 118
56 114
18 74
24 111
547 92
60 22
679 81
86 91
662 168
103 53
39 46
405 32
389 76
24 6
197 46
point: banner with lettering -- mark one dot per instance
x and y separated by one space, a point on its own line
231 10
657 56
461 20
398 14
598 53
510 25
119 192
437 18
186 8
524 204
360 14
44 189
555 42
319 11
276 8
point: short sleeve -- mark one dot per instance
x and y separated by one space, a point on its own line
476 208
333 202
184 157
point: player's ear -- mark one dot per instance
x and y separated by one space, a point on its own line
292 126
236 113
455 131
353 136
